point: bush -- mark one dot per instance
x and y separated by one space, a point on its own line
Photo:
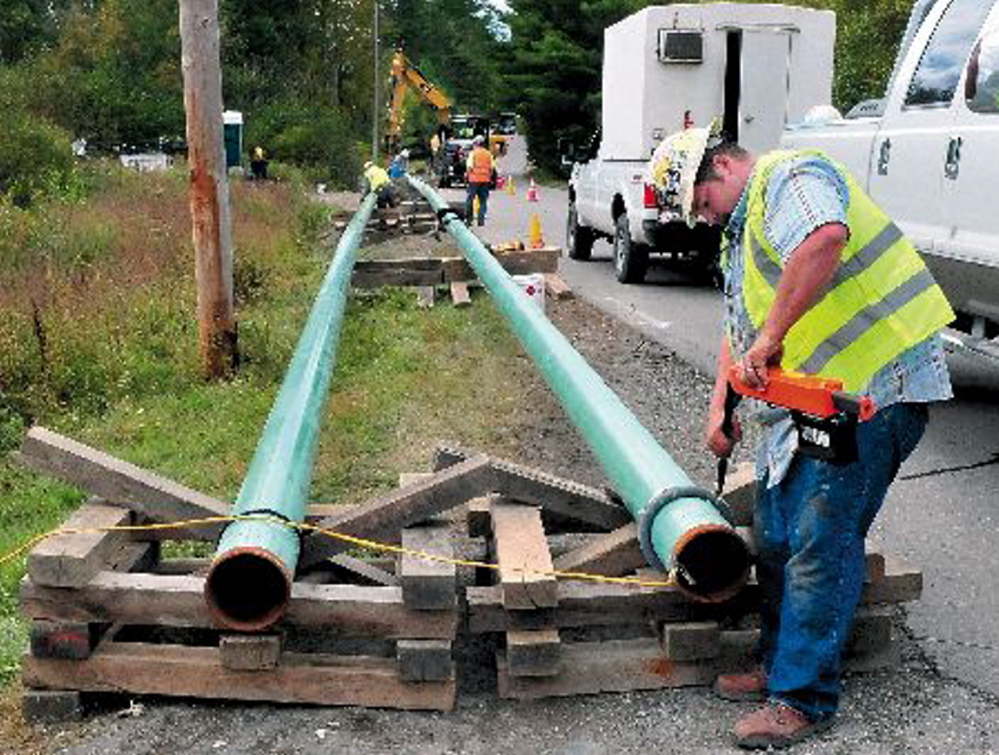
315 137
35 158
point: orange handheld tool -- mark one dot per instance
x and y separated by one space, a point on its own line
824 415
810 394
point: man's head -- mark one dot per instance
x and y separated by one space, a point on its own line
693 171
404 154
720 181
479 140
368 164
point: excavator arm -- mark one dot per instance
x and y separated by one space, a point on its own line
405 77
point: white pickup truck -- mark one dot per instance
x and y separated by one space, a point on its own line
928 153
665 68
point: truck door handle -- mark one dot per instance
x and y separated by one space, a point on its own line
953 164
883 155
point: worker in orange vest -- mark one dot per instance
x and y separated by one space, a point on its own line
480 170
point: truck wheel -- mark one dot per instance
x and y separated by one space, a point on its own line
578 238
631 260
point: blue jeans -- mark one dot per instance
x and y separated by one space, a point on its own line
482 192
810 532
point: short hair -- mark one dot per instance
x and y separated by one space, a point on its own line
706 170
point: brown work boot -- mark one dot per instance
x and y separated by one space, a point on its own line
751 687
776 725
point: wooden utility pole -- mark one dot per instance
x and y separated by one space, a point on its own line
210 219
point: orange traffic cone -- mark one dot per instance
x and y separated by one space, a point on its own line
532 192
534 233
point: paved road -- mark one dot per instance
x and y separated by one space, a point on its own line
942 515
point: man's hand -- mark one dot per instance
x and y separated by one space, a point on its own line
764 353
718 442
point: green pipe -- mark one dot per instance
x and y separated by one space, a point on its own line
249 584
680 525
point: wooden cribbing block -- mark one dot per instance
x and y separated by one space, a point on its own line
523 557
47 706
117 481
691 641
533 652
409 272
249 652
611 666
519 262
425 297
556 287
384 517
871 631
190 671
74 640
459 294
71 560
478 520
425 660
427 584
613 554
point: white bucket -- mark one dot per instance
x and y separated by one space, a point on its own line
533 286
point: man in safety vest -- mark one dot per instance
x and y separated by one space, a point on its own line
479 168
378 181
817 280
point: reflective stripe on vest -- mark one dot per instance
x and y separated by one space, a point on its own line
482 166
881 301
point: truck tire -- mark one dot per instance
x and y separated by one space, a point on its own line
631 260
578 238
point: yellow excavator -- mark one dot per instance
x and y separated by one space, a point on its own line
406 76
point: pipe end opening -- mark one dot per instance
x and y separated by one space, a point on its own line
247 591
712 564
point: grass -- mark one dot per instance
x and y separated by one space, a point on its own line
101 345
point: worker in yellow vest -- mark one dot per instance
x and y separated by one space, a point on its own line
480 170
377 180
819 280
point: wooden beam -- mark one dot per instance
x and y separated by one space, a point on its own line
610 666
384 517
119 482
425 660
178 601
523 557
249 652
366 571
613 554
564 497
71 560
186 671
427 584
533 652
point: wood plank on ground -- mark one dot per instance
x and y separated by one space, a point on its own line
525 563
117 481
565 497
428 584
187 671
71 560
383 517
249 652
420 271
610 666
425 297
459 294
179 601
556 287
520 262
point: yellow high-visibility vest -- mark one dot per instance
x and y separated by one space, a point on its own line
882 299
377 177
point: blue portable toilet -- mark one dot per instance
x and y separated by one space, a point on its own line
232 134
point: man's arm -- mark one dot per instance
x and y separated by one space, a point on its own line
718 442
808 272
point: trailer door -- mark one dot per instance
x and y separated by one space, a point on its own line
763 87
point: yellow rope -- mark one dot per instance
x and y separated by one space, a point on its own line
358 541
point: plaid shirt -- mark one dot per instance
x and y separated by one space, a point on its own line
803 194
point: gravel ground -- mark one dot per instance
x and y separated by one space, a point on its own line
911 710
